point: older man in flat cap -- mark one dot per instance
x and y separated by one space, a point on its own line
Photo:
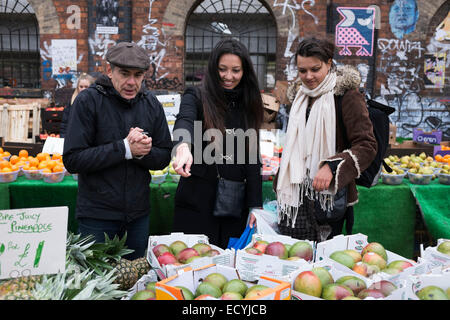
116 134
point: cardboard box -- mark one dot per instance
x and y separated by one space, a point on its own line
432 137
418 282
189 278
270 102
357 242
336 270
435 257
280 91
438 149
140 285
392 133
226 257
251 266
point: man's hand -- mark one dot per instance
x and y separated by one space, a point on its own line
323 178
140 144
183 160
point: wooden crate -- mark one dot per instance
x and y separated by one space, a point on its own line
20 123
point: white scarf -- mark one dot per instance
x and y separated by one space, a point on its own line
307 144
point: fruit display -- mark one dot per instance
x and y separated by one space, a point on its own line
94 271
444 178
433 293
371 260
173 174
218 282
420 169
51 167
178 253
169 253
296 251
159 176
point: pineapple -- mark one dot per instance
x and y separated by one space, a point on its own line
142 266
18 295
20 284
127 274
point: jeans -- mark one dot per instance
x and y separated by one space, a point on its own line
137 233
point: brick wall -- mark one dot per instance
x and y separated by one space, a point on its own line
396 68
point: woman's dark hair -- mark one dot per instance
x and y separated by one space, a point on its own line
213 94
314 47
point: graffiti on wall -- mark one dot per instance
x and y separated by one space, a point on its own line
290 7
356 30
403 16
100 44
402 85
434 70
64 76
155 41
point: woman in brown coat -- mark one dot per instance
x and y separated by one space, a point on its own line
318 171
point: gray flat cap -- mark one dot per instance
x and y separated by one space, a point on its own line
128 55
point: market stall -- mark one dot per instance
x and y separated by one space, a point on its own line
385 213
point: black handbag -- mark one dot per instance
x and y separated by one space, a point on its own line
230 198
338 211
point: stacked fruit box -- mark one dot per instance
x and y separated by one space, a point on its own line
370 259
141 284
268 255
432 286
169 253
218 282
438 255
328 280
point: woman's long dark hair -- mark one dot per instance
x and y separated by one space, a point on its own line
213 96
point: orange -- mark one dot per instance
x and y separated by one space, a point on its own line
58 168
23 153
6 169
32 168
447 157
26 167
14 159
40 156
51 164
46 170
14 167
34 162
5 164
42 165
56 156
6 154
438 157
24 159
1 150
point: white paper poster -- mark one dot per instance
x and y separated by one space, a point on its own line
64 56
171 105
33 241
53 145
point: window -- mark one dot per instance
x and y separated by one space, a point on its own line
19 45
248 21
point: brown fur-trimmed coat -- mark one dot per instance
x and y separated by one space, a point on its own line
359 131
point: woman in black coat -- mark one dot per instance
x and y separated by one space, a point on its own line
226 104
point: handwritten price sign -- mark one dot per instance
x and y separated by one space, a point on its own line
32 241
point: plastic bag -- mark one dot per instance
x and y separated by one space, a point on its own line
266 221
243 241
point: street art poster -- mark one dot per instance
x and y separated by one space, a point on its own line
64 56
356 30
107 17
403 16
443 29
434 70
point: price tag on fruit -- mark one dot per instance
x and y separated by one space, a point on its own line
32 241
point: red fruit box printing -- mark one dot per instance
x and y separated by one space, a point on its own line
168 289
268 255
169 253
